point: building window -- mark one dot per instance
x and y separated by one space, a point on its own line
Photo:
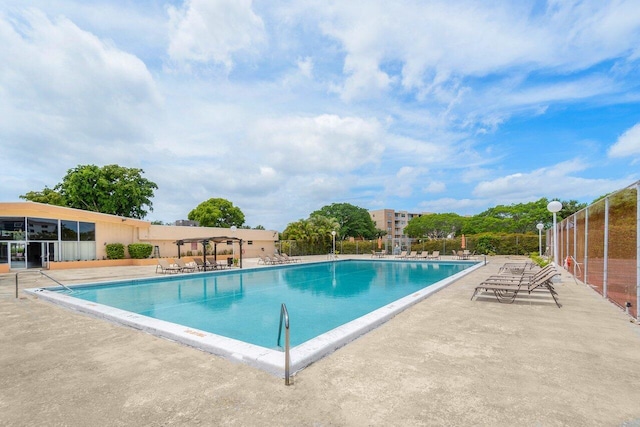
229 242
69 231
249 242
11 228
87 231
42 229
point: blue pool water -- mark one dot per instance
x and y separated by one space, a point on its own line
245 305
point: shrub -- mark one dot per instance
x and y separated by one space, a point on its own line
140 250
115 251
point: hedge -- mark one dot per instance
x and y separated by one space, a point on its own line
140 250
115 251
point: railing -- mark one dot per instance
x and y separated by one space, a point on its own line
605 238
42 273
284 315
575 264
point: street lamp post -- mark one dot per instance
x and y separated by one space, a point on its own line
333 235
540 226
555 207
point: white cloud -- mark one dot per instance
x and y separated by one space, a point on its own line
559 180
213 31
326 143
291 106
628 144
306 67
435 43
435 187
67 93
448 204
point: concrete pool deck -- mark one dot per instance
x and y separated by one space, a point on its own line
445 361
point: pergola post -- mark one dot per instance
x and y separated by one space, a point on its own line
205 243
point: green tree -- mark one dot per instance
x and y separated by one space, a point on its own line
48 196
518 218
434 226
570 207
314 232
353 220
217 212
110 189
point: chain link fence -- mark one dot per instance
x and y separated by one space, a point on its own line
599 245
480 244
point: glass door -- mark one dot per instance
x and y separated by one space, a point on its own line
48 253
18 255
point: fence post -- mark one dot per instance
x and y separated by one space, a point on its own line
638 250
575 242
586 245
605 272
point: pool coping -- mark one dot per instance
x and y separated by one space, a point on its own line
271 361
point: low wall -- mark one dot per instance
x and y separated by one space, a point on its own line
67 265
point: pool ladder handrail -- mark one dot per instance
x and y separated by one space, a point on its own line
44 274
284 315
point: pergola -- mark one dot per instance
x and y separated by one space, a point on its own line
205 242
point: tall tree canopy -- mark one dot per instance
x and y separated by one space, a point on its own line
518 218
315 231
434 226
217 212
353 220
110 189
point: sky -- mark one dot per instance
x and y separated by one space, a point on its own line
283 107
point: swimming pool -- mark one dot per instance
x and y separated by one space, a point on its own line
236 313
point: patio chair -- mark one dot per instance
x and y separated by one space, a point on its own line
184 267
516 267
165 267
271 259
200 264
281 259
411 255
424 255
290 259
507 291
403 254
435 255
216 265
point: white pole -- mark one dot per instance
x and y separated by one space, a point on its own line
555 240
605 278
586 245
540 242
638 251
540 226
554 207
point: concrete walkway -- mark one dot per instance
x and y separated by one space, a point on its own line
444 361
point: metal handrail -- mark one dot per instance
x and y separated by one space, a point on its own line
575 264
45 275
64 286
284 315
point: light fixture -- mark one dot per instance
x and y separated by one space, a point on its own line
540 227
555 207
333 235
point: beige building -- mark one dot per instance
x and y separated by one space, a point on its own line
36 235
393 222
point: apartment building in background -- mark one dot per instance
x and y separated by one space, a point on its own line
393 222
